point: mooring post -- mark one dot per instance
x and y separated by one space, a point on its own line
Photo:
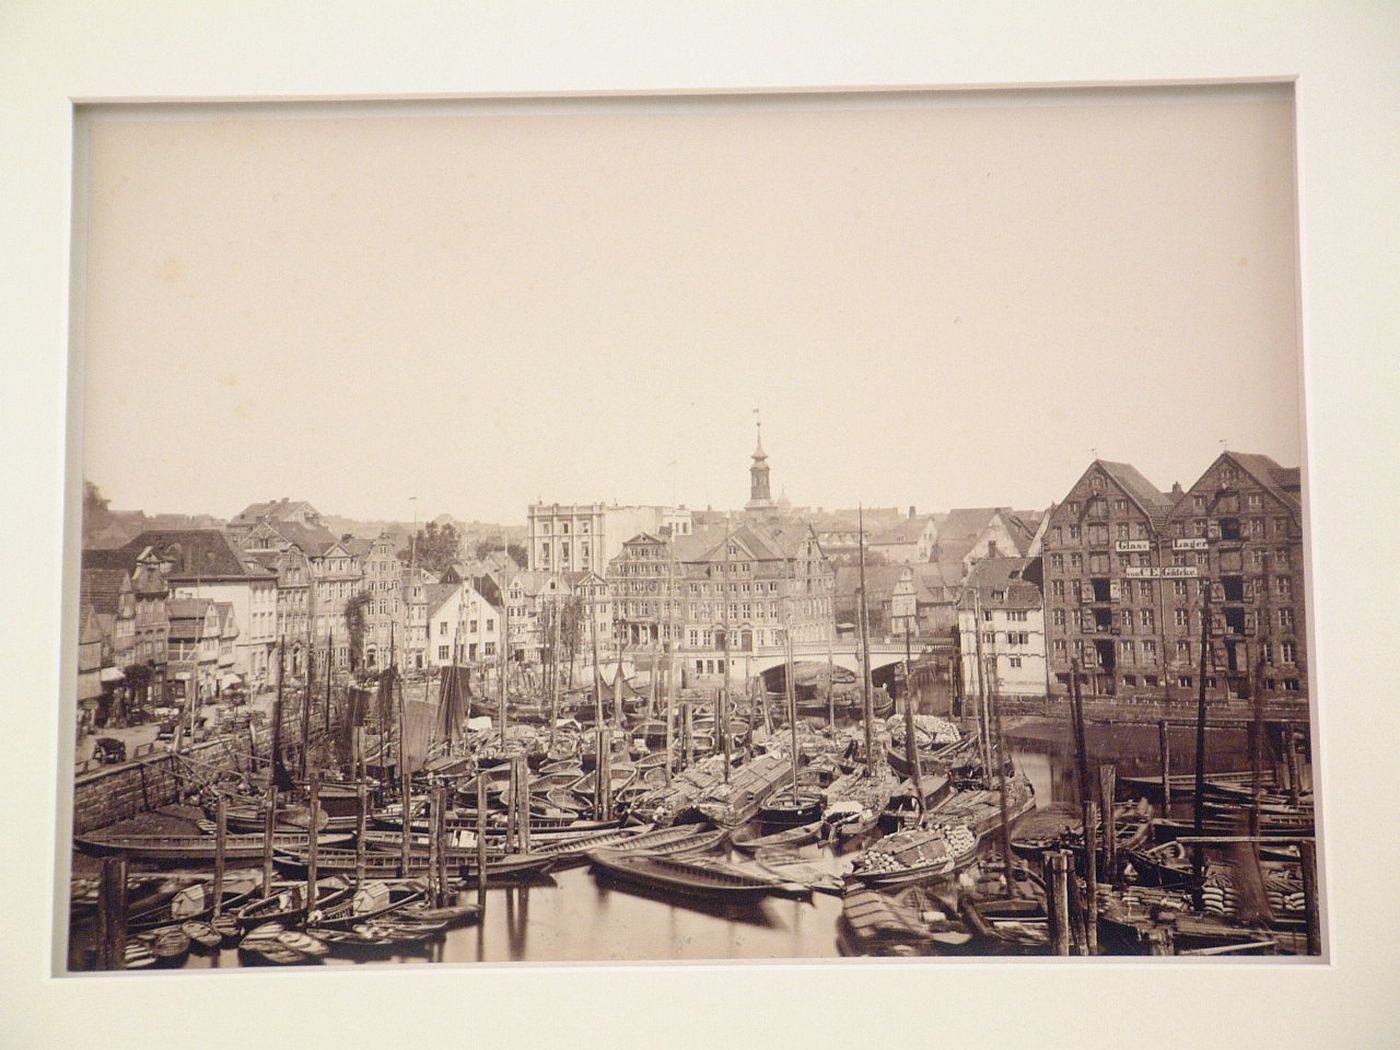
1307 855
440 837
481 841
1057 869
220 848
361 823
313 791
1295 780
111 915
1108 783
524 806
269 827
1164 743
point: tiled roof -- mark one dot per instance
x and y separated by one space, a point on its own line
102 588
1271 476
907 531
438 594
965 523
1154 502
312 541
198 552
1007 576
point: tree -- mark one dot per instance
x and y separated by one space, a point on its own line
491 544
355 610
96 513
437 548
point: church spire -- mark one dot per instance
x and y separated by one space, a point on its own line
760 492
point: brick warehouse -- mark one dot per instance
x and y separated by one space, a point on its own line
1125 568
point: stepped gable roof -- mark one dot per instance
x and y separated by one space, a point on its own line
195 553
1007 576
102 588
1154 502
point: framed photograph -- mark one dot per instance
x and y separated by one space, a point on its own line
708 525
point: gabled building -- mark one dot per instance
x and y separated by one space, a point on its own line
911 541
1240 527
110 594
528 594
150 591
284 511
385 612
1001 629
196 634
206 563
1106 566
463 627
90 665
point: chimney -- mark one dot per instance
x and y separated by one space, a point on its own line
1176 490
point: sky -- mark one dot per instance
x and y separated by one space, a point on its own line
934 303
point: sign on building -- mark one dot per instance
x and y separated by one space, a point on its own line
1198 544
1154 572
1124 546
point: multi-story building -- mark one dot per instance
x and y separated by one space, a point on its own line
912 540
1104 571
196 633
284 511
462 625
582 537
414 589
1241 527
1001 623
1127 569
150 591
752 584
113 599
528 595
385 611
205 563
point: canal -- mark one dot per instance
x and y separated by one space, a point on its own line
575 916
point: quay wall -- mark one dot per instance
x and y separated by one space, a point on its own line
113 793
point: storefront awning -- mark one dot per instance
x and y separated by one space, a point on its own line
230 679
112 674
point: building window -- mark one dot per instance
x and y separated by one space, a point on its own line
1285 619
1014 661
1179 588
1128 651
1057 589
1184 681
1289 651
442 652
1290 685
1183 651
1183 618
1285 587
1149 652
1074 534
1120 506
1076 563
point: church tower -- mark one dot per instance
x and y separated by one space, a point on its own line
760 492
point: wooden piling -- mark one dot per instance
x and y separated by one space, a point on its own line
111 915
1057 875
439 826
523 807
1198 861
405 817
481 841
1165 745
1295 781
313 785
1108 781
361 824
269 826
1307 855
1161 942
220 848
1086 798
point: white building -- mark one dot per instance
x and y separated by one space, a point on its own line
463 627
1003 605
584 537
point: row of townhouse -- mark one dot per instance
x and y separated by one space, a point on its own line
1141 589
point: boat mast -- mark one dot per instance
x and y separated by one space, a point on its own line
787 681
554 676
306 696
505 661
911 747
831 676
867 708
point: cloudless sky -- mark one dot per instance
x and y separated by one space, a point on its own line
934 304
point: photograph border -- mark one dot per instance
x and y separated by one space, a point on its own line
1327 83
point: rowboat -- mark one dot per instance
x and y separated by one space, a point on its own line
1018 925
270 943
388 865
749 840
370 900
197 847
673 875
917 855
290 903
877 921
203 934
192 902
785 808
575 848
170 945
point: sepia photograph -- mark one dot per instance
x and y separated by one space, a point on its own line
707 527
